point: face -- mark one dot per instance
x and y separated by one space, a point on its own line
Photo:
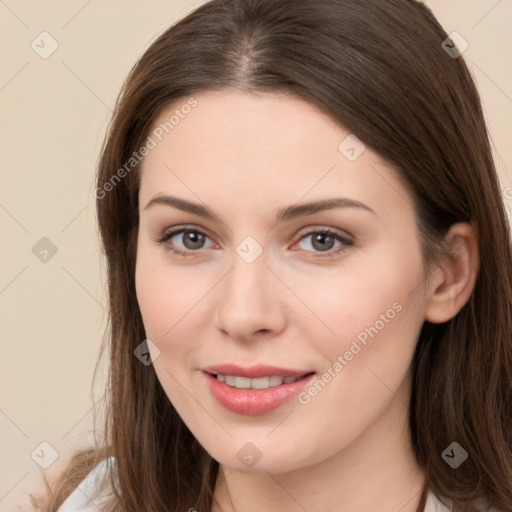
251 277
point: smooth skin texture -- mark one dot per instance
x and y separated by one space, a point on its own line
299 305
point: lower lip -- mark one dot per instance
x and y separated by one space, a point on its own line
253 402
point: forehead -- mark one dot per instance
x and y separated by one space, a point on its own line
239 144
233 124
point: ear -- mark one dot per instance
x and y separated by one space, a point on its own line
453 282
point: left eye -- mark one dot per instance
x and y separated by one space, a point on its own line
193 239
323 240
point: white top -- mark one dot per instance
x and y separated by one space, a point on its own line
85 497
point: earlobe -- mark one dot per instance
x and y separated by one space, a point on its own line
457 276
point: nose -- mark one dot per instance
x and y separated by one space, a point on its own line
249 301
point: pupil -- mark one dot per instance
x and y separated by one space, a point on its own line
194 238
322 238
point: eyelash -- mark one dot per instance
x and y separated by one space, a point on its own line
345 243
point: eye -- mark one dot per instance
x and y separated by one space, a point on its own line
323 241
191 239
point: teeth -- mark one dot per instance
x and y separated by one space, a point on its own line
229 380
242 383
260 383
275 381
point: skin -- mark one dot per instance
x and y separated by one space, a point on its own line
245 156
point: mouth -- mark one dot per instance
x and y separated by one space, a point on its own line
266 382
255 395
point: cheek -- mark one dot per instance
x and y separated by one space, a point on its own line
165 294
165 299
370 315
376 324
151 296
349 304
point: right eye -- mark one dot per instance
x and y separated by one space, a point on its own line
191 239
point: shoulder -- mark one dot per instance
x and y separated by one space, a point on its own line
91 491
434 504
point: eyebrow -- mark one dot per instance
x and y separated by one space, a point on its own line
284 214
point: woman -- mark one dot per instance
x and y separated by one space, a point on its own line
309 270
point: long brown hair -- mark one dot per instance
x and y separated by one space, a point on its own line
379 68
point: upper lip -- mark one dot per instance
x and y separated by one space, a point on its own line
254 372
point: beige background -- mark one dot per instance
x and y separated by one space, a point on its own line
54 115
